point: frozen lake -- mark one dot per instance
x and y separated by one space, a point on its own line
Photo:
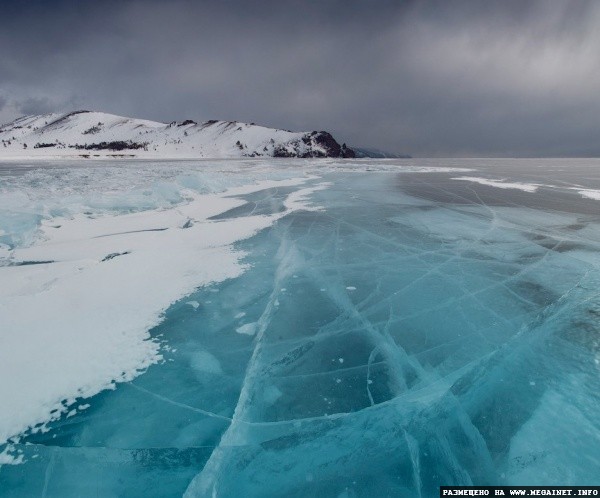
298 328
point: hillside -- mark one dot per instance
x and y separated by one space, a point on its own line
97 134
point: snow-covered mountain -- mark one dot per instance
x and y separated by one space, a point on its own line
98 134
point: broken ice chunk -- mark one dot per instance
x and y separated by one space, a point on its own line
247 329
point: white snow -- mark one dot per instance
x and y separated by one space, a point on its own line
528 187
7 457
67 135
525 187
590 194
298 199
68 330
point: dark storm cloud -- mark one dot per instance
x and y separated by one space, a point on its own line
424 77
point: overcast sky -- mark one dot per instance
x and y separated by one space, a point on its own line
427 78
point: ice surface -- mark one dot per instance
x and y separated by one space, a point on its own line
408 331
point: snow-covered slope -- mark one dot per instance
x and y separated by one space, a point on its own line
97 134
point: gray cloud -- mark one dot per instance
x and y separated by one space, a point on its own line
424 77
33 105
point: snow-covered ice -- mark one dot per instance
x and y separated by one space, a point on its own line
525 187
66 301
319 328
590 194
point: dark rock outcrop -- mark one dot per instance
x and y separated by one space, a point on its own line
331 146
314 144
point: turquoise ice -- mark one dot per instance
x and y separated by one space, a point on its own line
416 331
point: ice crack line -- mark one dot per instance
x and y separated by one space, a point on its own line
209 477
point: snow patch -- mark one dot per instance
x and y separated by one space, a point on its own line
525 187
7 457
590 194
